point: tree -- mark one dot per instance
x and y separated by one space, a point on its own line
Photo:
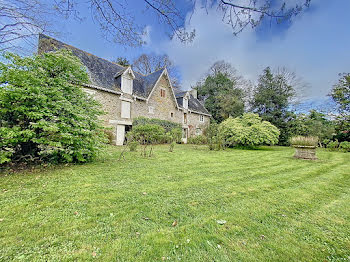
122 61
221 96
223 91
117 22
341 96
313 124
22 20
248 130
271 99
44 113
252 13
149 63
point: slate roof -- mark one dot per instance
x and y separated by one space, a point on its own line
193 103
107 75
103 73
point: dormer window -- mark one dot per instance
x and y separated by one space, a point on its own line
127 85
185 102
127 81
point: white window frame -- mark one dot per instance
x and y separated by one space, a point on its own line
127 84
125 109
201 118
185 102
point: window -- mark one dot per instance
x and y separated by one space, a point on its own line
185 103
162 92
127 84
151 109
125 113
185 118
201 118
171 114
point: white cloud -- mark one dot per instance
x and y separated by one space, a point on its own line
315 46
146 37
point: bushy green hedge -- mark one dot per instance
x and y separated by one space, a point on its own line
172 131
44 113
336 146
345 146
333 145
197 140
167 125
147 134
247 130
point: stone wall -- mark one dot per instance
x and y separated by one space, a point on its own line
162 106
193 120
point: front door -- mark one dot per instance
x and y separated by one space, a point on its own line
184 135
120 135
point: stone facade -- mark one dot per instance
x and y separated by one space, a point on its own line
161 105
125 94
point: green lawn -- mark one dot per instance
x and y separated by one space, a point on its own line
276 208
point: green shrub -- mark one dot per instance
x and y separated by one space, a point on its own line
345 146
304 141
333 145
325 142
167 125
44 113
247 130
197 140
133 146
215 143
147 134
175 135
172 145
110 136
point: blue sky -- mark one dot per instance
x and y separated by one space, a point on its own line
315 44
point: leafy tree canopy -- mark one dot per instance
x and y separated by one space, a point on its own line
314 124
271 99
222 95
341 95
122 61
44 113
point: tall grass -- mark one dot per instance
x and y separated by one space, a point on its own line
304 141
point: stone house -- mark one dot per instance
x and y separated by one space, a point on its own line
125 94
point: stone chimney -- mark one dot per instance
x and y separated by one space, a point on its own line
194 93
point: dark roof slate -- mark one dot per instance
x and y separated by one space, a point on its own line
193 103
106 74
103 73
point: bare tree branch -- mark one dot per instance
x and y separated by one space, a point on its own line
239 16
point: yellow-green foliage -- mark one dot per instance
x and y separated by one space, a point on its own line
247 130
304 141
